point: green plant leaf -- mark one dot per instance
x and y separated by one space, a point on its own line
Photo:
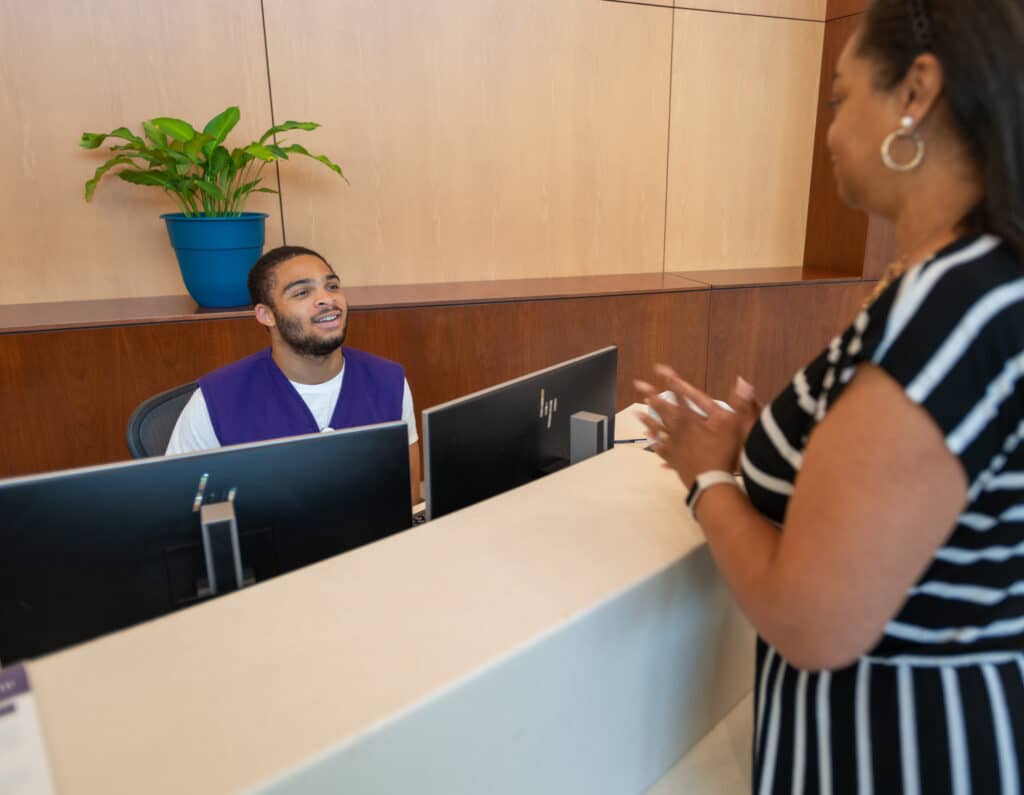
155 135
147 178
90 186
220 125
176 128
288 125
138 150
220 162
247 187
152 154
94 140
194 168
301 150
152 158
239 158
195 146
177 160
127 135
210 189
175 154
260 152
142 153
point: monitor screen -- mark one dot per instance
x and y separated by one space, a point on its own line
89 551
481 445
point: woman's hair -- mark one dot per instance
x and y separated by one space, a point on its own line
981 48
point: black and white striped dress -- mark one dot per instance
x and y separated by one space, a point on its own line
938 705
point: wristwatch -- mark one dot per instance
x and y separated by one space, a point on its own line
704 481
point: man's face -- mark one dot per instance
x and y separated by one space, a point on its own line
309 309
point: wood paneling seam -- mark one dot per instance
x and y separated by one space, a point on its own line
668 146
748 14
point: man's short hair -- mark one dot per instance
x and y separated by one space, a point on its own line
261 275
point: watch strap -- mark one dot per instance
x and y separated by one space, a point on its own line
706 480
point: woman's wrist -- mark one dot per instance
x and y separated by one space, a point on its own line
707 480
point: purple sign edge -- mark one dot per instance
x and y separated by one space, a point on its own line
13 682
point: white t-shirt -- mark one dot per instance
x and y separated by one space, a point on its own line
194 429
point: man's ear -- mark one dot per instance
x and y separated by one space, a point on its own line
264 316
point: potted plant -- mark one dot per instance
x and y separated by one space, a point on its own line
215 240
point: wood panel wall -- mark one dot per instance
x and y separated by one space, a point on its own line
484 140
739 169
840 240
844 8
836 234
66 68
766 334
787 9
67 395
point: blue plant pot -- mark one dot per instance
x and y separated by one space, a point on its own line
215 255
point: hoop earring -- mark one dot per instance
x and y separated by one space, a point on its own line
906 131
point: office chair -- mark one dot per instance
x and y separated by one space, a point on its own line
150 426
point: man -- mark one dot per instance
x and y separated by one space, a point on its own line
306 381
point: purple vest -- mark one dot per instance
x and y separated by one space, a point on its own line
251 400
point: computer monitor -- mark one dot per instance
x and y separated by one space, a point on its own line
491 441
85 552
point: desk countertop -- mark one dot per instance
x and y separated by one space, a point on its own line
251 685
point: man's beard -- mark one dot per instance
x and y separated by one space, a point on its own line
309 344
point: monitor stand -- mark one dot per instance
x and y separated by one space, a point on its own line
588 435
223 554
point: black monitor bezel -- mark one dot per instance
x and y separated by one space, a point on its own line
498 389
227 462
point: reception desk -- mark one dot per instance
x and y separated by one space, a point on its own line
570 636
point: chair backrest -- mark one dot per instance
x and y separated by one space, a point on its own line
150 426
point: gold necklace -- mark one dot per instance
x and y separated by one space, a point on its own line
901 264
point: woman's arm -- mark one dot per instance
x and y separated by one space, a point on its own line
878 492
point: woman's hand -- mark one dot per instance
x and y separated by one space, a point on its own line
691 443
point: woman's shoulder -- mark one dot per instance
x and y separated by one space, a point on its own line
975 275
963 272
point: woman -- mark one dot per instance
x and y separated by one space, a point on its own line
890 607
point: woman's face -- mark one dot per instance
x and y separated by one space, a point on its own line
863 116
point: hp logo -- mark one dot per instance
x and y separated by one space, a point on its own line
548 408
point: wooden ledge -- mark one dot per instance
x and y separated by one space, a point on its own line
61 315
765 277
64 315
561 287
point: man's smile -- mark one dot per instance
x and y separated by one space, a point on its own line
328 319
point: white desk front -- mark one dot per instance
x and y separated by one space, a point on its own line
571 636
